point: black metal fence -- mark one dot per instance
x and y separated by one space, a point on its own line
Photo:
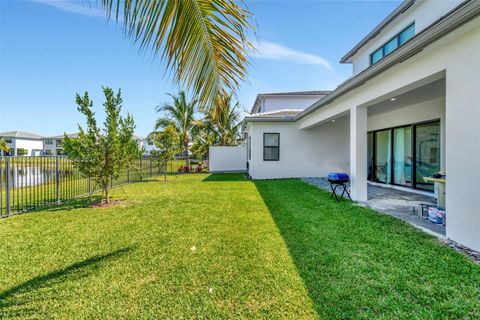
28 183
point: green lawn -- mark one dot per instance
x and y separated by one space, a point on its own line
266 249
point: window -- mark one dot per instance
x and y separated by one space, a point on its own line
48 141
59 143
271 146
8 140
405 155
393 44
47 152
406 34
60 152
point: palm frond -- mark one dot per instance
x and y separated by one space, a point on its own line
204 42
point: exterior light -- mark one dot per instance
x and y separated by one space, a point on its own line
393 99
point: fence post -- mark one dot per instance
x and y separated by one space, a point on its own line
128 175
7 186
57 180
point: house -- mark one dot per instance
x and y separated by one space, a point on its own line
269 102
22 143
53 146
410 109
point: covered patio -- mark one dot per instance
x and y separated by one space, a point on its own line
402 204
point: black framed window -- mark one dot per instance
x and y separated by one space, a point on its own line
271 146
404 155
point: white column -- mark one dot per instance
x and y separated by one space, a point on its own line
358 153
463 152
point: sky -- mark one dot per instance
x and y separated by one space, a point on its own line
52 49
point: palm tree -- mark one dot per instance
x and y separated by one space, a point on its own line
3 146
227 122
204 42
181 116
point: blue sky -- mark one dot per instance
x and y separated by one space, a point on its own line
50 50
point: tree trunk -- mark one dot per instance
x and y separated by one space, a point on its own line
107 196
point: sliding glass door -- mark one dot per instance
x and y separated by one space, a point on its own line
383 151
427 153
405 155
402 156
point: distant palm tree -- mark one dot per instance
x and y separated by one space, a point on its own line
3 145
227 122
204 42
181 116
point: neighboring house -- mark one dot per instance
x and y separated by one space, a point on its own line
53 146
22 143
268 102
145 143
411 109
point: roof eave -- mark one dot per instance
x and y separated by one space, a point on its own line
446 24
385 22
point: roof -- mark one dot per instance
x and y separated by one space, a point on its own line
398 11
276 115
20 134
454 19
70 135
298 93
321 93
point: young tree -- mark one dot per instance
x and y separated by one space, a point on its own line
166 142
103 154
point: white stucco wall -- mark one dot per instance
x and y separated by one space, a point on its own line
34 147
423 13
433 109
227 159
303 153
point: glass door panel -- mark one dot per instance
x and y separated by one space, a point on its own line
427 157
370 156
402 156
383 154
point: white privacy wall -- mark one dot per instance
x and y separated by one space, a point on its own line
33 147
227 159
303 153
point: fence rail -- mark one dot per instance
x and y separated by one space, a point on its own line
28 183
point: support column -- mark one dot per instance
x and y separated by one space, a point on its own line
358 153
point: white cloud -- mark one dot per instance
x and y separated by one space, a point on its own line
275 51
85 8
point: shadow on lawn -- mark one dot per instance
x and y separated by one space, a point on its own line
356 263
216 177
27 298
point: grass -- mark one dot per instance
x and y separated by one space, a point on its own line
264 249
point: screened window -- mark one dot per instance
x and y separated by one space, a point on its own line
393 44
271 146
